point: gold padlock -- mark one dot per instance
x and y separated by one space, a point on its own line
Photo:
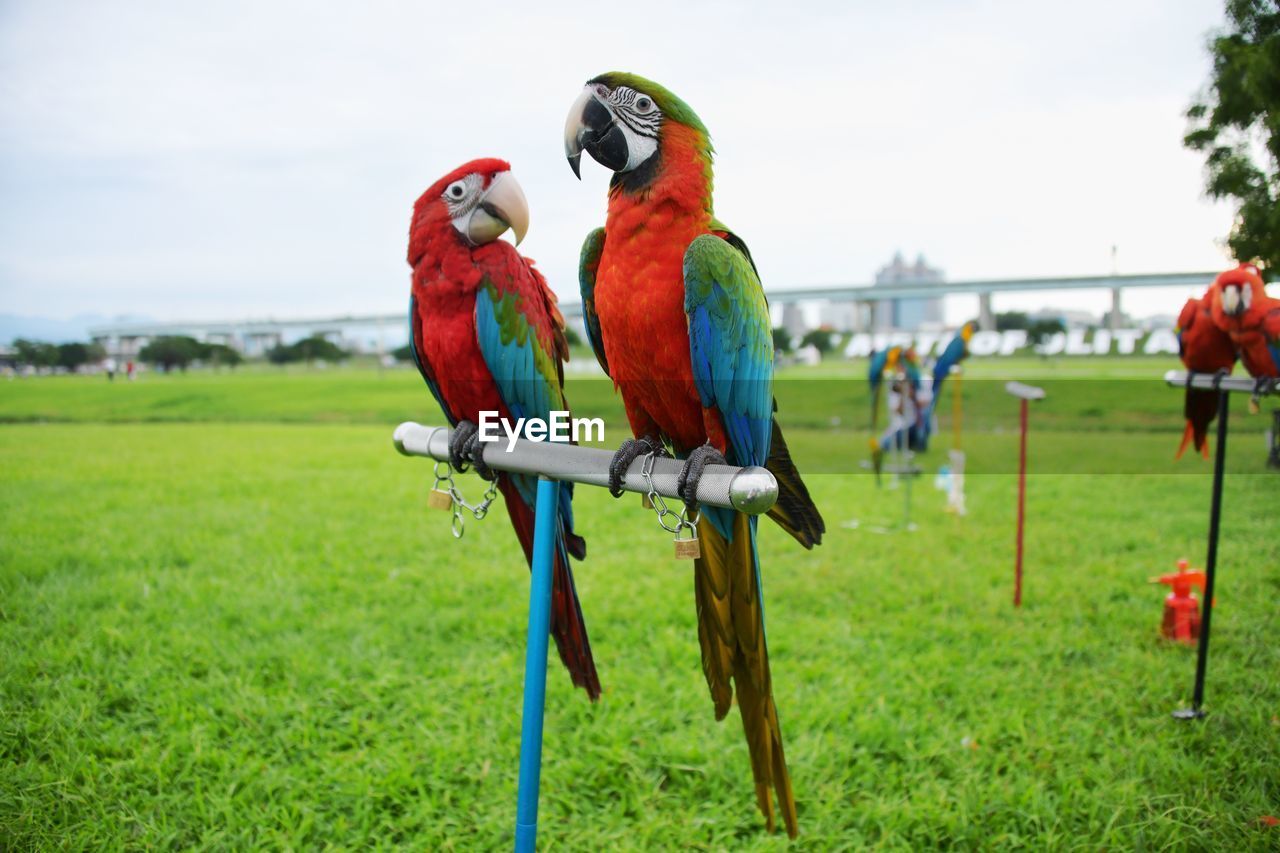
437 499
645 501
688 549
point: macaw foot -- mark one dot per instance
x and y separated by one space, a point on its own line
687 482
631 450
461 437
466 449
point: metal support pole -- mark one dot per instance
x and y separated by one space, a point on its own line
1210 564
986 317
1022 503
1025 394
535 664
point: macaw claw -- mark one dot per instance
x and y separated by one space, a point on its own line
461 437
687 483
465 450
630 450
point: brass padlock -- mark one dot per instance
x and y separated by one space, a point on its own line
646 501
688 549
437 499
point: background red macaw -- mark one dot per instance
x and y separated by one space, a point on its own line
677 317
487 336
1234 319
1243 310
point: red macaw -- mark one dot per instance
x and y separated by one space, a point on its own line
1204 348
677 317
486 335
1243 310
1234 319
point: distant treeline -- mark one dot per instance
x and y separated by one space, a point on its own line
38 354
168 352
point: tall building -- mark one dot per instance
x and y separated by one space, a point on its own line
907 314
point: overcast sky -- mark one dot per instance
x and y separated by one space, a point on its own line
223 160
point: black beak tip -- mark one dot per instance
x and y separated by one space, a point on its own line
575 163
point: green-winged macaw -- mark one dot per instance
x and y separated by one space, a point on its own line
486 335
677 317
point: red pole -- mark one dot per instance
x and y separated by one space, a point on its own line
1022 502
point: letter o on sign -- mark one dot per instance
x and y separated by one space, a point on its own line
985 343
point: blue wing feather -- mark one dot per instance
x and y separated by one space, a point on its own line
731 349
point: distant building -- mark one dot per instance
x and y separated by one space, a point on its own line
839 316
793 320
907 314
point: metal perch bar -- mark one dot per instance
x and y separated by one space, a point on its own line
751 490
1211 381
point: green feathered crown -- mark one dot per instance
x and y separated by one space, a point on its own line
670 104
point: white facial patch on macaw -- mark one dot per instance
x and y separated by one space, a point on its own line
1231 299
640 120
461 198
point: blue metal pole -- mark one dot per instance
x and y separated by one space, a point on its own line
535 664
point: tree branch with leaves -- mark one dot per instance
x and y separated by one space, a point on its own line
1236 124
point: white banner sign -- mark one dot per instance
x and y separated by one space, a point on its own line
1014 341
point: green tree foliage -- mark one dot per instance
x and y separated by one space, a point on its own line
781 340
74 355
572 337
314 348
170 351
1237 118
35 353
1040 331
404 353
1006 320
819 338
220 355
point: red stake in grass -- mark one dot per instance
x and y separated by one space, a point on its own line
1025 393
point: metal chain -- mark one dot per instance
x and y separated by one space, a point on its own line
457 523
660 508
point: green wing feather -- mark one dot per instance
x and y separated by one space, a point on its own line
588 264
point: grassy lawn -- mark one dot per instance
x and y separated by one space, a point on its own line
227 620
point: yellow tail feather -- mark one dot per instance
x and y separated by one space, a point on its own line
731 633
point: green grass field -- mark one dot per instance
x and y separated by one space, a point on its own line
227 620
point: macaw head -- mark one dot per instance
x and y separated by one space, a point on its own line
1235 290
622 119
479 201
966 331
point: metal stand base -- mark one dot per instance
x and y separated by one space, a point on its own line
1188 714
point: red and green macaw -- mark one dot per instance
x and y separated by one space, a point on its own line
486 335
677 317
1235 319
